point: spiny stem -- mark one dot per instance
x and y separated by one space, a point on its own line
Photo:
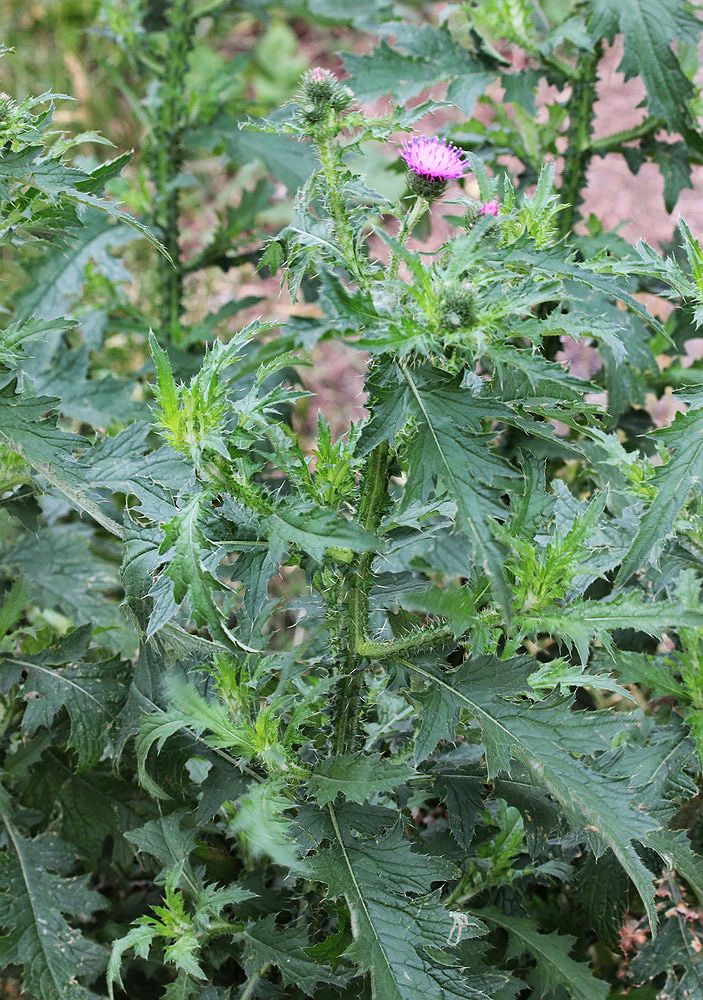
610 143
332 168
579 151
374 495
167 162
415 642
409 222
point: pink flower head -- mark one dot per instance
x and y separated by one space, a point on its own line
490 207
433 158
318 74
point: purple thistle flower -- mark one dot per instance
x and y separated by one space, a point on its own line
490 207
433 158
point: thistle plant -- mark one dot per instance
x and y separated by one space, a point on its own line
455 594
415 710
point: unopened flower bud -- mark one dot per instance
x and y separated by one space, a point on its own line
7 107
322 89
458 305
490 207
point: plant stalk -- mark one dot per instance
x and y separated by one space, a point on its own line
409 222
579 152
615 141
167 163
415 642
374 495
332 168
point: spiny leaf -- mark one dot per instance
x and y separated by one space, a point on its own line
555 968
554 743
674 481
37 890
357 777
91 692
649 28
316 529
581 622
187 545
285 947
400 939
450 448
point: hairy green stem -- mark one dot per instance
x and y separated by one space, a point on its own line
579 152
167 162
332 168
613 142
374 495
416 642
411 219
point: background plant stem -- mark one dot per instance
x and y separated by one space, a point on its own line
579 152
167 162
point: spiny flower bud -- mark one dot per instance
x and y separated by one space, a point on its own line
321 89
458 305
477 210
491 207
7 107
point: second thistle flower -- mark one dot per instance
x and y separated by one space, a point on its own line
431 163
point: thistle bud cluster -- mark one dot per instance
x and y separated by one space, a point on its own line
15 120
458 305
322 93
7 108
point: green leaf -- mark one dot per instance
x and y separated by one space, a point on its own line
188 547
91 692
285 947
581 622
463 794
357 777
450 447
422 56
675 168
288 161
677 952
59 277
603 893
674 482
166 840
55 179
27 428
377 876
64 573
650 27
262 823
316 529
37 892
101 402
675 847
553 742
555 968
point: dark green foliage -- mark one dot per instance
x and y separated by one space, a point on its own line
411 711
